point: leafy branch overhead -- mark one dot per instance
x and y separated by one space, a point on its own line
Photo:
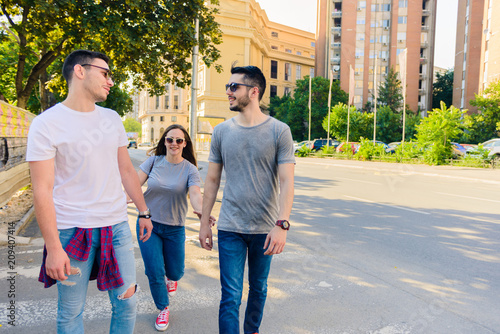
148 41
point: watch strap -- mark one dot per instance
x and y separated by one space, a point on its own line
145 216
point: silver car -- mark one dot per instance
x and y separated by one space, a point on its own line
493 145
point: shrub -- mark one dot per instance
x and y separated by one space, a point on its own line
367 150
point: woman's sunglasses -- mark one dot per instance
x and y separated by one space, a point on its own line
234 86
178 140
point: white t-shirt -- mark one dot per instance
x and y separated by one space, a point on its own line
87 185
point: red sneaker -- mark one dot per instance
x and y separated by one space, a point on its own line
171 287
161 323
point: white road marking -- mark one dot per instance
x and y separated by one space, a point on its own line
470 197
391 206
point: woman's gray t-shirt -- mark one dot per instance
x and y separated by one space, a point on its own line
250 157
168 186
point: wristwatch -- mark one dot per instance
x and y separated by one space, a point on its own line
284 224
145 214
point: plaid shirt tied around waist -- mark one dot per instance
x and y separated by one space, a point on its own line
105 267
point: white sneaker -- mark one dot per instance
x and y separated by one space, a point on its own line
171 287
161 323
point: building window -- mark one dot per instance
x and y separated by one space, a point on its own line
157 103
176 101
152 118
288 51
287 91
298 75
152 134
362 4
274 47
174 119
273 91
299 53
385 7
403 3
167 101
162 118
360 36
313 44
401 36
288 71
311 72
374 8
402 19
167 87
274 69
176 87
360 21
386 23
274 34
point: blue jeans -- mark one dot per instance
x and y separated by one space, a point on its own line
233 249
73 291
163 255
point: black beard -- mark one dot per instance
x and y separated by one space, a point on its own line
235 108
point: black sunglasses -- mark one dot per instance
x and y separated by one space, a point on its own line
106 74
178 140
234 86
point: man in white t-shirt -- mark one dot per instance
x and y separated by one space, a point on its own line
78 160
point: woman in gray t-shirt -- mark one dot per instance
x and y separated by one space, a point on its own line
171 173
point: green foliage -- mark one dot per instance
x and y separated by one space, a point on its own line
390 92
436 132
443 89
304 151
149 42
328 150
388 125
360 124
367 150
406 151
118 100
131 125
488 104
294 111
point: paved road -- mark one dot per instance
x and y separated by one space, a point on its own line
374 248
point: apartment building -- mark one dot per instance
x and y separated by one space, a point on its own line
369 34
284 54
477 52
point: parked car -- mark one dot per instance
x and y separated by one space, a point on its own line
493 145
344 146
458 150
132 143
145 144
306 143
319 143
387 148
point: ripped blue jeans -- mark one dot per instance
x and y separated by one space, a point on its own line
72 292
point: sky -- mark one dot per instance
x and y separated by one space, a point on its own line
301 14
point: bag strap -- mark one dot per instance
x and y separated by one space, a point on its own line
152 165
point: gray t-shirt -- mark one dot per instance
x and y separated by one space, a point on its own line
168 186
250 157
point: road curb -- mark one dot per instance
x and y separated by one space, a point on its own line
18 228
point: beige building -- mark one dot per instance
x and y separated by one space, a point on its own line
477 52
284 54
355 33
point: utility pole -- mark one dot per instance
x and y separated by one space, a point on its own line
329 108
309 137
194 87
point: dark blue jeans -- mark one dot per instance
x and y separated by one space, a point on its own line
233 249
163 255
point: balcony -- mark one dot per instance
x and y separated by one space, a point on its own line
336 45
422 76
423 60
335 60
425 28
426 12
336 30
337 13
421 91
424 45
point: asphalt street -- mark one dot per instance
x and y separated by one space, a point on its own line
373 248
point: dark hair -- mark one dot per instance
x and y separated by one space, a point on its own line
187 152
80 57
252 76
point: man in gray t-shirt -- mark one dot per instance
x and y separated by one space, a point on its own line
256 153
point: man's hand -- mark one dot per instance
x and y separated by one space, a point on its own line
145 224
206 240
211 220
275 241
57 264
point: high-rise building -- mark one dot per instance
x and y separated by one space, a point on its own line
355 33
477 52
284 54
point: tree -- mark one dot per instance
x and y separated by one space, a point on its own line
436 132
149 41
295 111
488 105
131 125
443 89
390 92
360 123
